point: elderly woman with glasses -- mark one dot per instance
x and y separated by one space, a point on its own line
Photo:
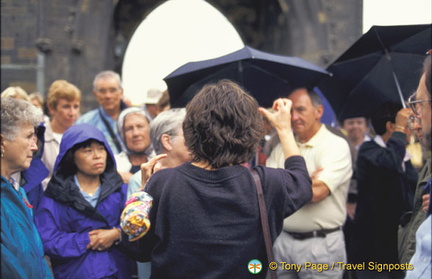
22 253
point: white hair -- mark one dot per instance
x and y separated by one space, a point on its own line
168 122
15 113
106 75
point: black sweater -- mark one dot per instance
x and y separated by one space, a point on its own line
206 224
385 192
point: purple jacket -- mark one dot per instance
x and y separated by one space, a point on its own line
64 217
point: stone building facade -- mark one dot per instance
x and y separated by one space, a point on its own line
45 40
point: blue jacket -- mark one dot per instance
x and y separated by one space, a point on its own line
96 118
65 218
21 247
36 173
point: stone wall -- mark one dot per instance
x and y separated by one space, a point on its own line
45 40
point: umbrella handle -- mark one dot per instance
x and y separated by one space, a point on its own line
399 90
394 75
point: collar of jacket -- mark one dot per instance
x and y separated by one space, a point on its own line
65 191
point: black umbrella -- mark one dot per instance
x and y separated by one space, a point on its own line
385 64
266 76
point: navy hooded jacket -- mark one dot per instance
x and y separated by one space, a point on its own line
36 173
65 218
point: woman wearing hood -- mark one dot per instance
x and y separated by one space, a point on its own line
78 216
134 128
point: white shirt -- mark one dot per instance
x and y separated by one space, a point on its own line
332 153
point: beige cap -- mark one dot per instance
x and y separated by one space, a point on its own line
152 96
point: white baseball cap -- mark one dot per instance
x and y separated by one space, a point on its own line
152 96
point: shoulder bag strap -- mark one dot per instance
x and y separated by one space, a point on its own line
264 221
110 131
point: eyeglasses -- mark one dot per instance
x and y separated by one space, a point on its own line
416 105
111 90
412 121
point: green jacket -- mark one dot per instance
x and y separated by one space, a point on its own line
407 230
22 254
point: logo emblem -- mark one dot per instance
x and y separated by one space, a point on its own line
255 266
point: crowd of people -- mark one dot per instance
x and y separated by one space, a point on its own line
346 196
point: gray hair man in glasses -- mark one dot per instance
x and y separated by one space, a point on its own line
108 90
420 104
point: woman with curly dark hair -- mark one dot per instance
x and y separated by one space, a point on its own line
205 216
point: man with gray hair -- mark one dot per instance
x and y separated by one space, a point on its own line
415 237
108 90
313 234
